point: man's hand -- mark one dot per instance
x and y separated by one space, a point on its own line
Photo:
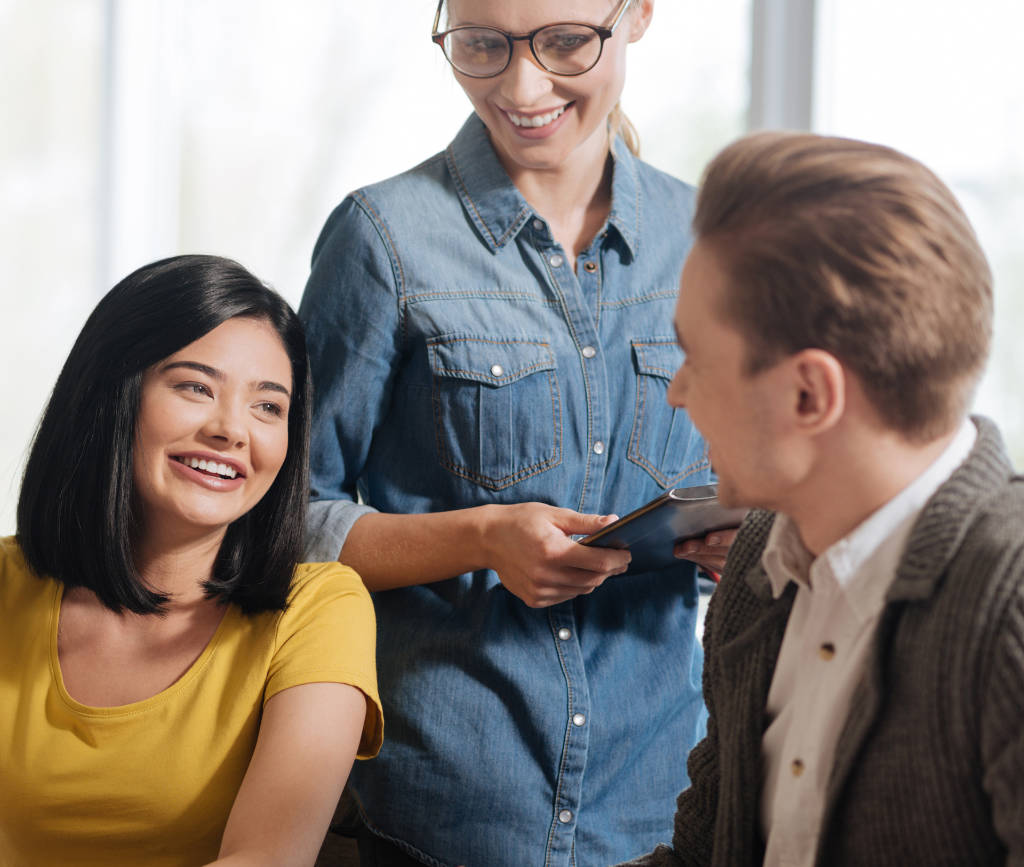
709 553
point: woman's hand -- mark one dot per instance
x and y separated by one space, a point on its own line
529 545
709 553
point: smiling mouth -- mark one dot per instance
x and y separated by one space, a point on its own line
211 468
537 120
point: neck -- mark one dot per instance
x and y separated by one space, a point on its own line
178 565
574 197
849 484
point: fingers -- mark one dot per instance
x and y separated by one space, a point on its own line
577 524
709 553
565 586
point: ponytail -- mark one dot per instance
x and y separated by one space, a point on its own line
620 125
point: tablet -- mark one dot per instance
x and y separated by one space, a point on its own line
651 532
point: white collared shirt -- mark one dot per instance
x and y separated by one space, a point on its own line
839 599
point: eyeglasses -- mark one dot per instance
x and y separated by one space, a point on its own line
566 48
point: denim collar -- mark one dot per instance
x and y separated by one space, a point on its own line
498 209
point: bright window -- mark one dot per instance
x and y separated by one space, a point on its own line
942 80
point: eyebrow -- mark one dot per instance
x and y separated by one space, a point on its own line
213 373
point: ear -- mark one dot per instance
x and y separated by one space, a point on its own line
638 17
819 383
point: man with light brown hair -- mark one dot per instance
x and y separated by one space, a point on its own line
864 669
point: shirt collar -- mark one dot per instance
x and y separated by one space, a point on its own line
863 563
498 209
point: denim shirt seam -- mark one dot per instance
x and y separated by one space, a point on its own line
397 271
565 746
639 299
464 194
588 394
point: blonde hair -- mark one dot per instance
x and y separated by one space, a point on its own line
859 250
620 125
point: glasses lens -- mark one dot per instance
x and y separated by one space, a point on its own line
567 49
477 51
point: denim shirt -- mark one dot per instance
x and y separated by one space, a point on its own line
458 360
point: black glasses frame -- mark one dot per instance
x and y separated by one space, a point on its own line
603 34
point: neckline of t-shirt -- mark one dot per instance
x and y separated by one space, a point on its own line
135 707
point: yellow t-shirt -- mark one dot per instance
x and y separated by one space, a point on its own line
151 783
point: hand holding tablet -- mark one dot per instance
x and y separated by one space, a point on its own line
652 531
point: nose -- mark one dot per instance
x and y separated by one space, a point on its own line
525 81
676 393
226 425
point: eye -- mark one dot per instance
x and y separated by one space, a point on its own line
193 388
268 407
567 41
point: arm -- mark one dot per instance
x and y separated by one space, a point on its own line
1002 738
355 329
307 741
528 545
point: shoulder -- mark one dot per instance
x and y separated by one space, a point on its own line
423 187
315 585
17 581
328 634
665 187
666 195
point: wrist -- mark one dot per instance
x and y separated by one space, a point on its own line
479 533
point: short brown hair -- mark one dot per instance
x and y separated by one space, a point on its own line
859 250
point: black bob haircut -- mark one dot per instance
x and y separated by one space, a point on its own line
77 510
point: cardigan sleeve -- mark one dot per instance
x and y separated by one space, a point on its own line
1002 735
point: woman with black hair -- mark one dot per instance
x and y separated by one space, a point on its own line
175 689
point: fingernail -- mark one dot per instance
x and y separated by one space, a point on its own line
714 540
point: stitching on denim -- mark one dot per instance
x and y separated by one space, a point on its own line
517 224
506 481
565 742
500 380
634 453
454 170
396 263
553 282
511 294
640 299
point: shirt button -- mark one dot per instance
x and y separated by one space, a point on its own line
590 267
827 651
556 260
599 448
578 719
589 351
564 634
565 817
538 225
497 370
797 767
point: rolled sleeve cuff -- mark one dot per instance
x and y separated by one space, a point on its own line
327 527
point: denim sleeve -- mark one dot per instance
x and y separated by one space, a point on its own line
351 312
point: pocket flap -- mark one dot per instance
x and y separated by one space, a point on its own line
657 356
490 360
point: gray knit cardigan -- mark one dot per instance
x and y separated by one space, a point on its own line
929 767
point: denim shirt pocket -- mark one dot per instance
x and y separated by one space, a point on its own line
663 440
497 407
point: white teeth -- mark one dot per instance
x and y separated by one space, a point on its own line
538 119
210 467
